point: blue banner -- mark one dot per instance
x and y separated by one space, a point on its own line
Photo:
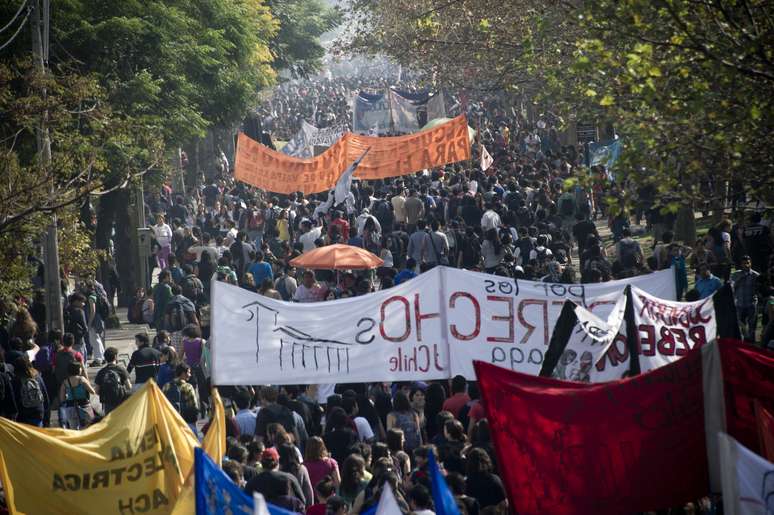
216 494
606 153
442 496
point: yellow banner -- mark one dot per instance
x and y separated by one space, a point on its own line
273 171
133 461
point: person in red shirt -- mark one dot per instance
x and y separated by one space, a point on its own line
342 224
459 396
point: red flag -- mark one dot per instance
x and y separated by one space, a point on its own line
765 431
748 376
625 446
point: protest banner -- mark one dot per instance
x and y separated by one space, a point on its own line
431 327
300 145
748 479
623 446
273 171
133 461
509 323
662 332
370 113
581 340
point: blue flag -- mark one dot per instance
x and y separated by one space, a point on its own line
215 492
442 496
606 153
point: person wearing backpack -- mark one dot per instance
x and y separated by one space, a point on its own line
181 394
30 392
112 381
193 288
63 357
144 361
273 413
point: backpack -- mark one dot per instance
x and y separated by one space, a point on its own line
102 306
31 394
177 317
74 326
277 414
175 396
193 288
383 213
135 312
112 391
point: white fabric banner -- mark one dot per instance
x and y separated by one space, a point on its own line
509 323
591 338
747 479
370 114
389 335
667 330
300 144
404 113
430 327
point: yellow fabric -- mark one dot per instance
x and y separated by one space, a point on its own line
134 460
214 444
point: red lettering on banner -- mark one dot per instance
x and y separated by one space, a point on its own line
681 343
672 315
407 318
666 345
614 354
477 316
500 318
531 328
698 335
418 317
648 339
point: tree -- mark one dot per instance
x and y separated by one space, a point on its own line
687 84
297 48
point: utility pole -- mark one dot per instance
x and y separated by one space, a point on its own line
40 27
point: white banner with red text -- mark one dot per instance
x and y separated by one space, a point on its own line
431 327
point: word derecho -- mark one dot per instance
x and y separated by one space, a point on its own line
431 327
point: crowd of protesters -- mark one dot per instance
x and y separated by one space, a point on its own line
535 214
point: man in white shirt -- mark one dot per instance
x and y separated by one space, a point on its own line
397 206
163 234
245 417
490 220
364 431
309 235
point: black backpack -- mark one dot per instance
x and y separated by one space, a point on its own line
102 306
278 414
174 395
193 289
112 391
383 213
177 317
75 326
62 360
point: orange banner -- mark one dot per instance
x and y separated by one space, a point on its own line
264 168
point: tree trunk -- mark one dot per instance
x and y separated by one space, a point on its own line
114 211
685 226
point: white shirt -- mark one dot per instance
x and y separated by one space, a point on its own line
364 431
386 256
308 238
490 220
245 421
397 206
163 234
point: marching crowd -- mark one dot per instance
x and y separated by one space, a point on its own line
532 215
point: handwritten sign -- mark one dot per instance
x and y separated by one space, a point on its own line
431 327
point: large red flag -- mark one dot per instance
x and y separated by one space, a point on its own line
748 377
625 446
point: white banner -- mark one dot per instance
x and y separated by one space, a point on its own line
748 479
300 145
509 323
667 330
405 333
404 113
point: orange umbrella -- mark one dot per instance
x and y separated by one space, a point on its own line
338 257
